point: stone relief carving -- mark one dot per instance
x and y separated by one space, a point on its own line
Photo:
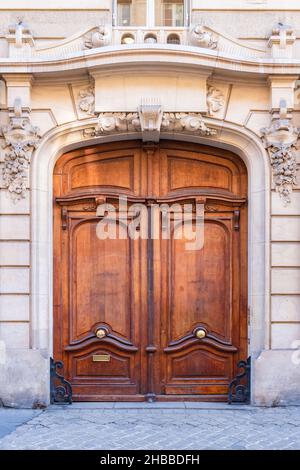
186 122
20 137
86 100
280 139
99 38
215 100
110 123
203 38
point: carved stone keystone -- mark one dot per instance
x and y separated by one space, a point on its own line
150 115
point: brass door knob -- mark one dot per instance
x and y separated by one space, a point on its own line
101 333
200 333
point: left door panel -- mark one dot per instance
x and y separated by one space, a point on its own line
99 283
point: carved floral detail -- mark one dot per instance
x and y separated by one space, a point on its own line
99 38
203 38
20 138
280 139
215 100
86 100
110 123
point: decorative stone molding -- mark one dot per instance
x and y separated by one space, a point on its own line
203 38
20 137
280 140
86 101
19 34
115 123
215 100
150 116
20 39
98 38
281 41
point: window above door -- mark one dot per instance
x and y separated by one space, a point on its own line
151 13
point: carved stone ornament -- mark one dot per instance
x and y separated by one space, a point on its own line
280 139
150 115
98 38
20 138
114 123
86 100
191 123
19 34
283 35
215 100
203 38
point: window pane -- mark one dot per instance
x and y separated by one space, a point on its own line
169 12
132 12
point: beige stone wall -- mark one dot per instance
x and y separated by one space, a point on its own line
53 89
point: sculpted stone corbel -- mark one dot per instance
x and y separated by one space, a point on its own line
20 139
86 101
280 139
99 38
215 100
203 38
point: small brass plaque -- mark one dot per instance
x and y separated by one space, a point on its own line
101 357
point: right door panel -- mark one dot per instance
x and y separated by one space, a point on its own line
200 294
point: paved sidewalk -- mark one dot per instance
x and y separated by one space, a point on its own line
180 426
10 419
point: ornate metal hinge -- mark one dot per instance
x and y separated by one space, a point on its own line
60 388
240 386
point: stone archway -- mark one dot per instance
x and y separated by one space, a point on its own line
231 137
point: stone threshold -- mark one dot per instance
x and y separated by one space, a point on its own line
153 406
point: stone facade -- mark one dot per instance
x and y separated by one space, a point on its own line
67 80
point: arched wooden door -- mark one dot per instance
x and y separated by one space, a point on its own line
138 318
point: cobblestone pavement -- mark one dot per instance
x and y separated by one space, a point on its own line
183 426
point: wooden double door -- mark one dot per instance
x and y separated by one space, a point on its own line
145 316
